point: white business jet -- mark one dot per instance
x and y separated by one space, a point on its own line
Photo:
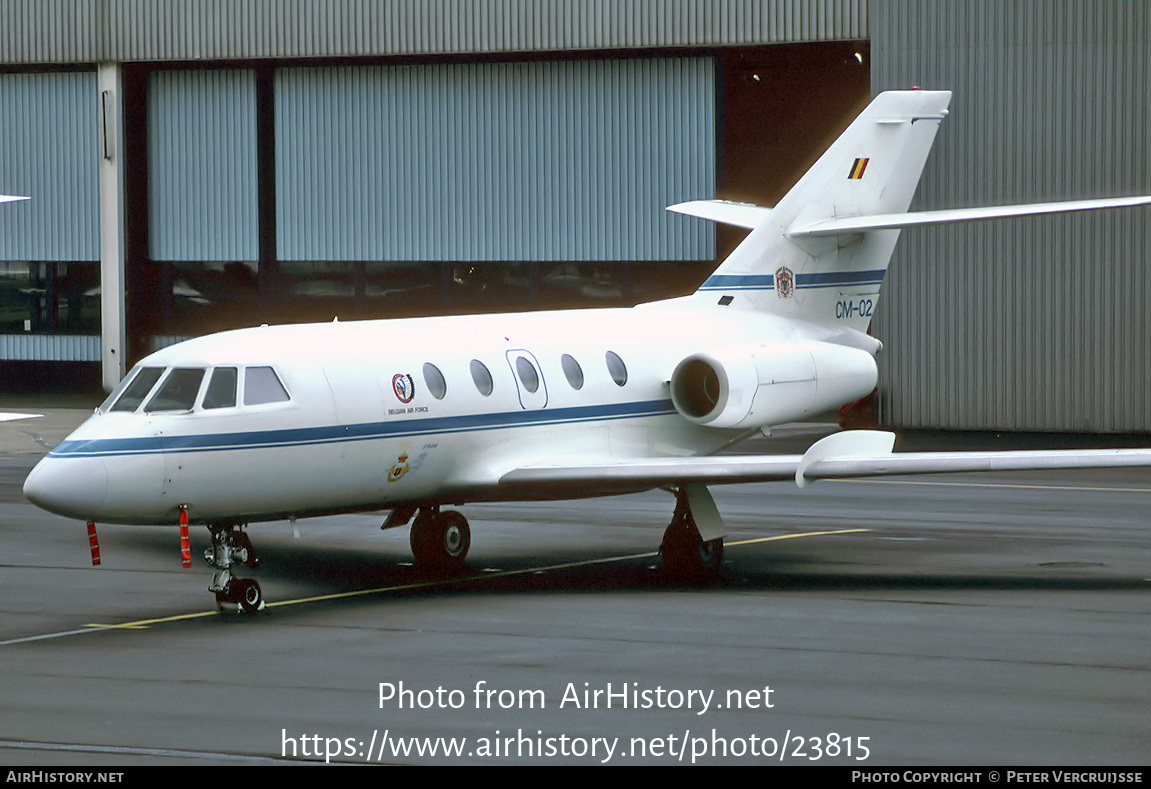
415 415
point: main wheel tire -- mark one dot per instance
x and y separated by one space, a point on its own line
688 556
250 596
441 540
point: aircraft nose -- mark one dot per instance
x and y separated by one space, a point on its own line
74 487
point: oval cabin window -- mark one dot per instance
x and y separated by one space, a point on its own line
435 381
616 368
482 377
527 373
572 371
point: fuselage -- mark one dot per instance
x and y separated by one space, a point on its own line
375 414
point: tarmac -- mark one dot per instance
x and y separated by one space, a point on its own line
958 620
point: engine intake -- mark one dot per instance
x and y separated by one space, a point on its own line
755 385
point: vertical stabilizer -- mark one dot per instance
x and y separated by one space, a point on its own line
873 168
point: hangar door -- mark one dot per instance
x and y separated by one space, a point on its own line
49 245
202 198
498 161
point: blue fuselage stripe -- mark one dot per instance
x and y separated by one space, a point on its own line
824 279
366 431
739 282
829 279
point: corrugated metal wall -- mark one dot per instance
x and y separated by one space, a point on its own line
202 165
48 151
1031 323
511 161
54 347
72 31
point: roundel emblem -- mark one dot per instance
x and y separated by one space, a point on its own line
404 387
784 282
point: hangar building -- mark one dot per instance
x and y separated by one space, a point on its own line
205 164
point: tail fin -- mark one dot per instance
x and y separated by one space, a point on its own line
873 168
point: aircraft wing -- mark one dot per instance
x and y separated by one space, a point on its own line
853 453
7 417
640 474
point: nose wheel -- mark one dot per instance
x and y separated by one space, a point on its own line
231 545
244 593
441 540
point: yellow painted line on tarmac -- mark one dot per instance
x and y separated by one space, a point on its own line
1021 486
542 569
144 624
463 579
794 536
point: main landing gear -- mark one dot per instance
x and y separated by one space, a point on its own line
440 540
231 544
686 555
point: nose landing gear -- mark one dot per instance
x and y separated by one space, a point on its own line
231 544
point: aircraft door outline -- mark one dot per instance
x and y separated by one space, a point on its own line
530 384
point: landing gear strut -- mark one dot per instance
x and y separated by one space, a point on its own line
686 555
231 544
440 539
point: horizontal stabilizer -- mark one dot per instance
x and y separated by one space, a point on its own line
11 198
858 224
725 211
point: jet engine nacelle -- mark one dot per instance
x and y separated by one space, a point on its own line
756 385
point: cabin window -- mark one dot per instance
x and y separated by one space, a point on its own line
527 373
482 377
136 391
262 385
572 371
435 381
616 368
178 392
221 391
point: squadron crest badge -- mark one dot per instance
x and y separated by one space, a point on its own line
399 468
784 282
404 387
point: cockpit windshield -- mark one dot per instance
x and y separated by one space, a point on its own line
162 389
262 385
178 392
138 389
222 388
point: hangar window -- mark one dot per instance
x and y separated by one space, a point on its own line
616 368
222 388
178 392
527 373
435 381
572 371
482 377
136 391
262 385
